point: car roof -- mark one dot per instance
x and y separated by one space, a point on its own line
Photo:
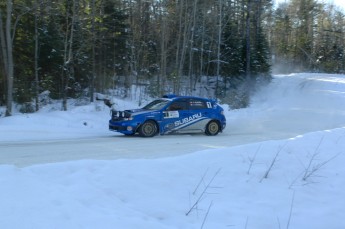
173 97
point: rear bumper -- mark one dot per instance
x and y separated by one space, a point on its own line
223 126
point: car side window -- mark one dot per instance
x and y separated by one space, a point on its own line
178 105
197 104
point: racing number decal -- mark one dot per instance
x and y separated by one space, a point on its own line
171 114
209 105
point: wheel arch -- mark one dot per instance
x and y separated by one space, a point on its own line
146 120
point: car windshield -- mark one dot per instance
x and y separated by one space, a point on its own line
156 104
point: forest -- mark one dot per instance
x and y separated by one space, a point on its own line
216 48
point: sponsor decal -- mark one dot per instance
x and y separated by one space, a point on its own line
188 119
169 126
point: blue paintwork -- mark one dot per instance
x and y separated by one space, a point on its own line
197 112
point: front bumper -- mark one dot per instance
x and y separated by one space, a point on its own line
123 127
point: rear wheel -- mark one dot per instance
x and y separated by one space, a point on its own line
148 129
212 128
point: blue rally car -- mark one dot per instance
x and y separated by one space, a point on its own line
171 114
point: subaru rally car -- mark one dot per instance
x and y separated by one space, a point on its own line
171 114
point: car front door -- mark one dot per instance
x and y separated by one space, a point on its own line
172 116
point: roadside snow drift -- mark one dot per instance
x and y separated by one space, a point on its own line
292 182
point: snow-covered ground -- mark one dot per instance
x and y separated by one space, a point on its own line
279 164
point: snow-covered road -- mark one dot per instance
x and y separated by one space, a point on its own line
117 147
289 106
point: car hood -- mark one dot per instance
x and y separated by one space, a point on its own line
140 111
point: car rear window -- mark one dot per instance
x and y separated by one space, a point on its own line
197 104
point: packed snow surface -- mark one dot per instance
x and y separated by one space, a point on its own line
278 164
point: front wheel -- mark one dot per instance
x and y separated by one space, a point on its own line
212 128
148 129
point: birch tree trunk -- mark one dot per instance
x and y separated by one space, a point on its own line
218 47
163 60
36 59
93 74
7 55
248 73
3 46
191 48
184 44
68 56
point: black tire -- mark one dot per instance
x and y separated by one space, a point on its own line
212 128
148 129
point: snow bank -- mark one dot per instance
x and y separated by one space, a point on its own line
226 187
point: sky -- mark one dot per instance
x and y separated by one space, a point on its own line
340 3
294 182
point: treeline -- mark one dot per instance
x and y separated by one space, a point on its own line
308 36
74 48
